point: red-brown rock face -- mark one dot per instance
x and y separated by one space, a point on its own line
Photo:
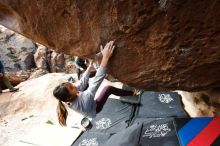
166 44
14 80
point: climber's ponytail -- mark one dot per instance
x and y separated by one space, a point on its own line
62 113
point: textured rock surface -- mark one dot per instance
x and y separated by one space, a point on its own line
23 110
49 60
15 80
203 103
37 73
16 51
166 44
40 57
57 62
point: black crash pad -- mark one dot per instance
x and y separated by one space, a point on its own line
91 139
114 117
160 105
127 137
158 132
115 106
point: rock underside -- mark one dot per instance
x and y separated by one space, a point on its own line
160 45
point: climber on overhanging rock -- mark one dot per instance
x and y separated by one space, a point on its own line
79 99
5 81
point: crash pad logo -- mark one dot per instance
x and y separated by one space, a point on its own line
165 98
157 131
89 142
103 123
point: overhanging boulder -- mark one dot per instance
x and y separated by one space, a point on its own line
161 45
